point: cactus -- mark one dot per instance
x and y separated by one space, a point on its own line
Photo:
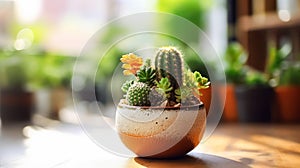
169 64
166 84
138 94
126 85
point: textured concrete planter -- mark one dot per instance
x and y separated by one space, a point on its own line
157 132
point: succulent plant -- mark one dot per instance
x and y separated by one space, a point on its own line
184 95
146 74
164 87
166 84
202 82
161 92
169 64
138 94
132 63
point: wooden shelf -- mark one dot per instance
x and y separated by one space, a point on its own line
257 32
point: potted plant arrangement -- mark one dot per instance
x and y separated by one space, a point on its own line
285 78
52 82
254 98
161 115
248 94
234 60
288 94
16 101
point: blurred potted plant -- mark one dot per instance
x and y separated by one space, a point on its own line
234 60
288 93
16 101
194 63
52 82
285 77
254 98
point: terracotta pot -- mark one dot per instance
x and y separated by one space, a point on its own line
230 106
16 106
287 103
157 132
206 98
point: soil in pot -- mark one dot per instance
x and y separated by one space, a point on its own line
254 104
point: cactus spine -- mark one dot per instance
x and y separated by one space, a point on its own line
169 64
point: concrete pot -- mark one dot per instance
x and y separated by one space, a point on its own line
157 132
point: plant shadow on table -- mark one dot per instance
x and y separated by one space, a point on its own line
191 160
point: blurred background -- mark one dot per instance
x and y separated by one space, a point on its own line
257 40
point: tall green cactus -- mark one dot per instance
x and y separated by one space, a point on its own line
169 63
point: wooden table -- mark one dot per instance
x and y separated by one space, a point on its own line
231 145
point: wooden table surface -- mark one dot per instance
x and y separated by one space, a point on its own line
231 145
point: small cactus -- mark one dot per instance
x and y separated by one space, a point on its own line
138 94
169 64
126 85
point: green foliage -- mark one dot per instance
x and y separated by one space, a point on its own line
255 78
281 71
192 10
164 87
12 70
190 80
172 83
146 74
235 59
126 86
290 75
183 94
277 58
202 82
34 69
138 94
56 70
